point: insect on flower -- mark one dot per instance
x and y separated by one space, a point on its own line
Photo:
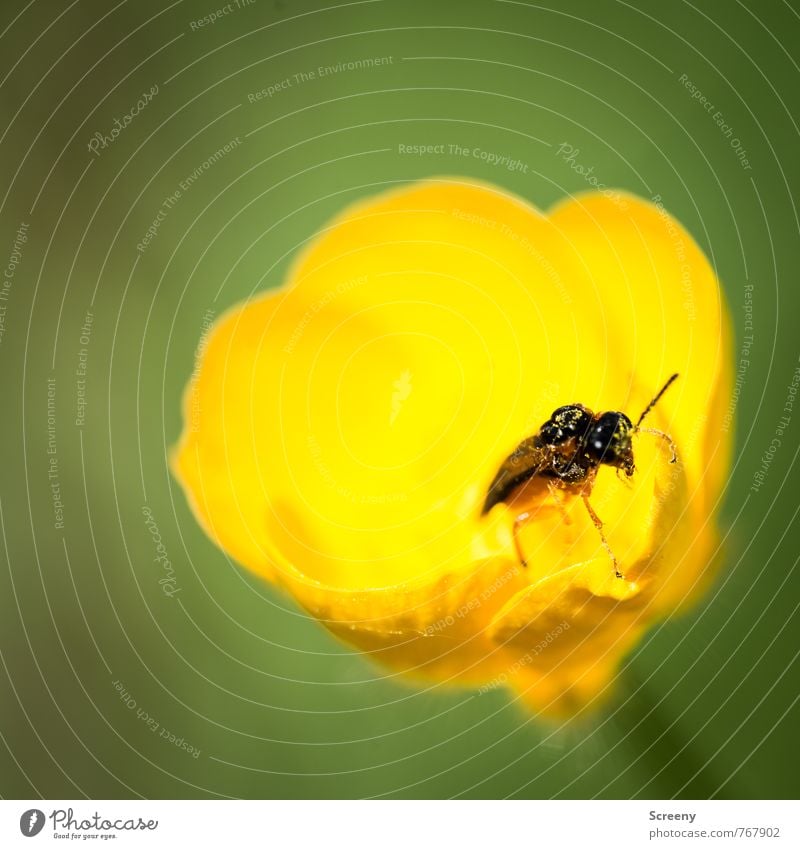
567 451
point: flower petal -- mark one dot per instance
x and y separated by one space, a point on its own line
341 433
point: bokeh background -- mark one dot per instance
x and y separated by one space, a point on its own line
261 700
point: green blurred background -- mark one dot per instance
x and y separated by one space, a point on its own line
707 706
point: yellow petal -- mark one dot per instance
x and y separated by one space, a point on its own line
342 432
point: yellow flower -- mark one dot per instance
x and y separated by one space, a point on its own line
342 432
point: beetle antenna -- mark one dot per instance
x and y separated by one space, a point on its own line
657 398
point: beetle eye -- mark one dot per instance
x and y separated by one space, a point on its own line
609 439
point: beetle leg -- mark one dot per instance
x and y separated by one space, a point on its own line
625 477
518 522
663 435
555 492
599 525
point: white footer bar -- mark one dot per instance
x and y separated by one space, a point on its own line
402 824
